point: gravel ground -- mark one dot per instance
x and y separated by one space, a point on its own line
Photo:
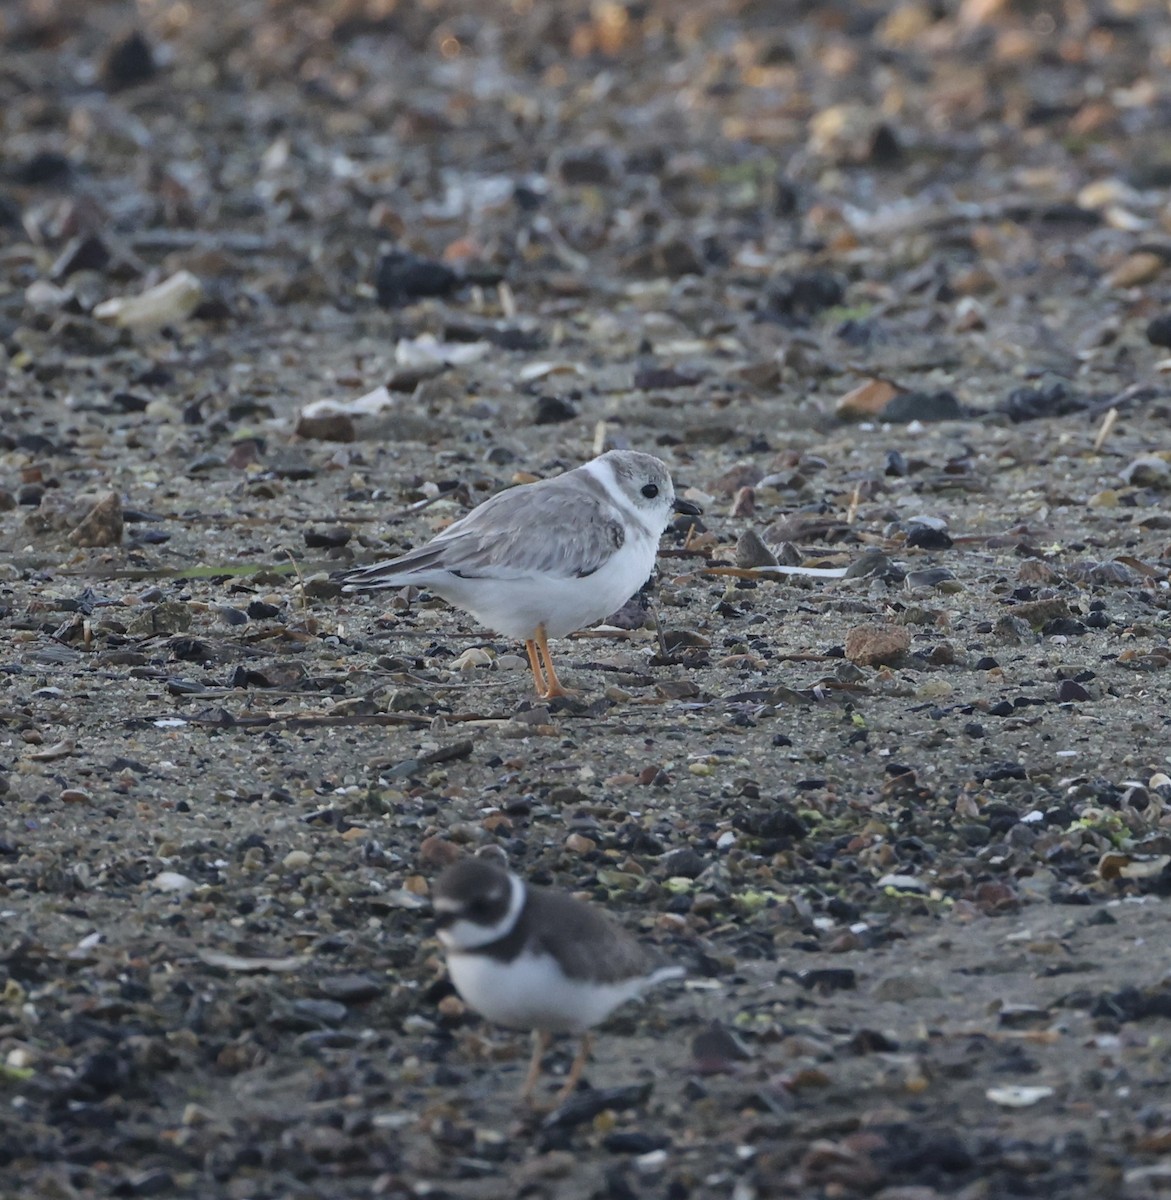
887 288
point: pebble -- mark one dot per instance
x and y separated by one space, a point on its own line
172 881
877 645
296 860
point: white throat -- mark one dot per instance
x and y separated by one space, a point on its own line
463 936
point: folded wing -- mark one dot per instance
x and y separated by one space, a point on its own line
528 532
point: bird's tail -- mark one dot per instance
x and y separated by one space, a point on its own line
390 573
662 974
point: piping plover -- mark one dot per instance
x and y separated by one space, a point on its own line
544 559
531 958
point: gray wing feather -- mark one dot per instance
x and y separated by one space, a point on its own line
588 945
528 531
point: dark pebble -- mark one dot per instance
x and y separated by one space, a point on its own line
46 168
86 252
30 495
684 863
584 1105
1071 692
924 537
632 1141
588 167
923 406
1159 330
553 410
1032 403
128 63
803 294
259 611
657 379
828 979
402 277
329 538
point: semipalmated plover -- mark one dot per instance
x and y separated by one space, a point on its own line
532 958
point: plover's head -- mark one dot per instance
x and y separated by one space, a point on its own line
644 486
476 902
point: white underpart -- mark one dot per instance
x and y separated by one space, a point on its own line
531 992
515 607
467 935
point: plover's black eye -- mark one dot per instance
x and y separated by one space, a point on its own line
650 490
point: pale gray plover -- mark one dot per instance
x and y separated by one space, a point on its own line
543 559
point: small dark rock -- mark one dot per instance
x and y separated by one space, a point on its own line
659 379
633 1141
1053 400
684 863
86 252
923 406
553 410
828 979
924 537
1159 330
1071 692
128 63
402 277
591 166
803 294
329 538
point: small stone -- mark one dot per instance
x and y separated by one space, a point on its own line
752 552
553 410
1069 691
591 166
329 427
172 616
436 852
102 525
297 860
866 400
1159 330
128 62
580 844
1143 266
1147 471
172 881
351 989
75 796
402 277
877 645
923 406
744 503
329 538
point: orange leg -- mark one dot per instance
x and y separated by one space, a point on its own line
553 684
579 1063
538 673
541 1042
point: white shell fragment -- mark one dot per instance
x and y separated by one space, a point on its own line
1018 1095
167 303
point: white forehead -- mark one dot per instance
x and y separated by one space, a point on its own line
446 904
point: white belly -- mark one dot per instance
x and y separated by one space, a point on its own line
531 993
515 607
